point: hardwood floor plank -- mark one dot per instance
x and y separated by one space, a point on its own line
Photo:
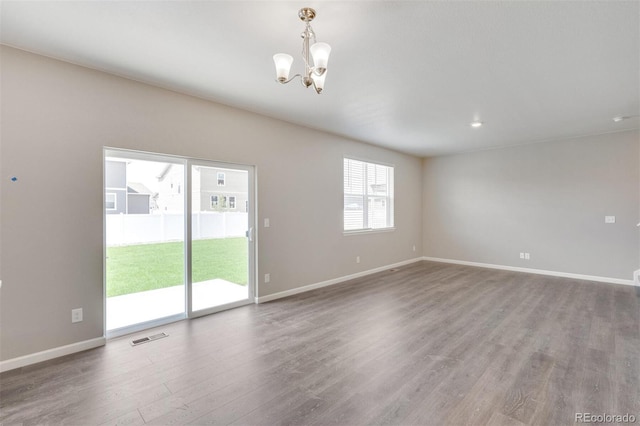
426 344
529 388
499 419
132 418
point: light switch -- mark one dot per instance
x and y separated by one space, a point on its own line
609 219
266 222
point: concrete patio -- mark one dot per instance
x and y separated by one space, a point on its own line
149 305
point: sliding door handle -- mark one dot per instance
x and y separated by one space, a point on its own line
249 234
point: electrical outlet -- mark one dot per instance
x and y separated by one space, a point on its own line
266 222
521 255
527 256
76 315
267 278
414 248
357 259
609 219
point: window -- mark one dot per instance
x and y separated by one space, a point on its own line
220 179
214 201
368 196
110 201
232 202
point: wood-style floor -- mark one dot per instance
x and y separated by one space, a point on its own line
427 344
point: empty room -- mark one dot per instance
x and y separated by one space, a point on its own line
323 212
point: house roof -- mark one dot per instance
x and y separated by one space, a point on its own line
164 172
138 188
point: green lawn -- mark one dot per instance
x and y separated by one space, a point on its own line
131 269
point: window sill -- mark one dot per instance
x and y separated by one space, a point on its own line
368 231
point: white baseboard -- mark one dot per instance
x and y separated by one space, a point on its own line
34 358
310 287
636 277
533 271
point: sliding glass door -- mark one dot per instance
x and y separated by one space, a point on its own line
221 235
178 238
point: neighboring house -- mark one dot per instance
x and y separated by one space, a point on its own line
219 189
122 197
214 189
115 179
170 190
139 199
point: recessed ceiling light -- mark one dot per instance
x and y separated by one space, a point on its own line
476 124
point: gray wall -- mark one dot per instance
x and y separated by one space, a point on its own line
115 174
548 199
138 204
56 118
115 180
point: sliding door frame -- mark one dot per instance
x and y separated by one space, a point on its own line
187 163
251 240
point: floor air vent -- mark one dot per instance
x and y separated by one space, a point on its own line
146 339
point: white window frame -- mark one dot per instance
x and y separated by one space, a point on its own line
232 202
389 199
211 202
115 200
224 178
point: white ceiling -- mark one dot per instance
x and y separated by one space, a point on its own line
406 75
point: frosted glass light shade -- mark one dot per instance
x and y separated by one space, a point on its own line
283 66
320 53
318 81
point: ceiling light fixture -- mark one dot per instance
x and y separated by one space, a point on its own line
319 52
476 124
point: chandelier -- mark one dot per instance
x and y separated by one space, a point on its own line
319 52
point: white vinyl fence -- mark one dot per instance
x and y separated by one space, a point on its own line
123 229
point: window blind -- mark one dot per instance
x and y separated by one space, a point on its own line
368 195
